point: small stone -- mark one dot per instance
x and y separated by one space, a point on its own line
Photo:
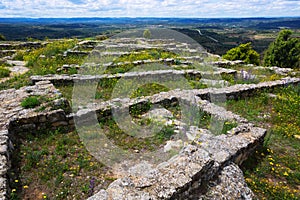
42 118
3 149
61 123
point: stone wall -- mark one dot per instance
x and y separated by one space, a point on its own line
168 98
186 176
69 79
4 53
14 120
201 170
21 45
205 168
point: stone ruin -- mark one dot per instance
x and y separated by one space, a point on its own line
206 168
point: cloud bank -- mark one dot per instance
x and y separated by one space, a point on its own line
149 8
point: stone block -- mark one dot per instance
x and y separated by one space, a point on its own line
60 123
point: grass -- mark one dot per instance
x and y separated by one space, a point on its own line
4 72
42 61
66 91
274 171
48 59
106 87
152 54
149 90
259 75
31 102
16 82
127 142
54 165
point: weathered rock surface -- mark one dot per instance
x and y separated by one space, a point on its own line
67 79
230 184
186 176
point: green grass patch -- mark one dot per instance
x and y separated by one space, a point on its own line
149 90
152 54
255 109
130 143
16 82
66 91
55 165
4 72
31 102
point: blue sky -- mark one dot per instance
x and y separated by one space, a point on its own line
149 8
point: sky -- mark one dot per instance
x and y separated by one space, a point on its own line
149 8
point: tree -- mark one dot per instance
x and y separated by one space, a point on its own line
147 34
284 51
243 52
2 37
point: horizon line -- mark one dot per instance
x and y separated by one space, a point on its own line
154 17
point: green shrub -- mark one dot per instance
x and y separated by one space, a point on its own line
31 102
284 51
243 52
4 72
2 37
147 34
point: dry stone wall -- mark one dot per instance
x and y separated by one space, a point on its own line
14 119
69 79
205 168
21 45
186 176
206 160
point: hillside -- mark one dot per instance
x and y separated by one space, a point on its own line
159 117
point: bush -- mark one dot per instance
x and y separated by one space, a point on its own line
243 52
31 102
2 37
4 72
147 34
284 51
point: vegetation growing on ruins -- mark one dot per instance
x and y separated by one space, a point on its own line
48 59
4 72
55 164
31 102
274 172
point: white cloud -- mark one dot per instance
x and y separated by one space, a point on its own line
148 8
